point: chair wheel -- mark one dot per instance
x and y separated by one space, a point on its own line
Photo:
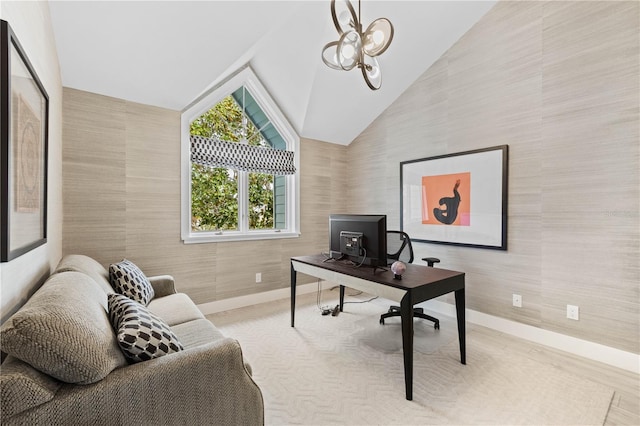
436 326
382 321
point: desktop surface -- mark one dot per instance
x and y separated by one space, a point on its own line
414 276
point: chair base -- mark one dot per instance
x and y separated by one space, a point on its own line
394 311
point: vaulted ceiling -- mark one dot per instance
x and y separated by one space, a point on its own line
168 53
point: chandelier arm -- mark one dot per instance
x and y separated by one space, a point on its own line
334 15
333 55
366 79
371 73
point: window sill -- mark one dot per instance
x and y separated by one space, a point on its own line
231 236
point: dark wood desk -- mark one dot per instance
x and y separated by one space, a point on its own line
418 283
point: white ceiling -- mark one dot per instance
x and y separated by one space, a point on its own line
167 53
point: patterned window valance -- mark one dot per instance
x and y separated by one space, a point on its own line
239 156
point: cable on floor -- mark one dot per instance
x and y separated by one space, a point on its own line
325 310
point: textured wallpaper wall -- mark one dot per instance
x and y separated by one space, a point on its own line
557 82
122 199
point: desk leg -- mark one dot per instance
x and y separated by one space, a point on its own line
406 315
461 325
293 294
341 297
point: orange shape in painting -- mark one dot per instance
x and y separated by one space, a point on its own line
446 199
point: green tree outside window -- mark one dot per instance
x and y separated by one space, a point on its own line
214 191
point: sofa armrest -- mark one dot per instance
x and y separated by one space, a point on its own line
206 384
163 285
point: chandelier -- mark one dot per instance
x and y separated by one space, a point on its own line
357 48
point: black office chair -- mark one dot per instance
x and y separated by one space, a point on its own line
399 248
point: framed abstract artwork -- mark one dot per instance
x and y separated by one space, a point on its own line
458 199
24 115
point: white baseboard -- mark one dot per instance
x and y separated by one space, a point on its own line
254 299
584 348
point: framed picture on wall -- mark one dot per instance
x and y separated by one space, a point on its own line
24 118
458 199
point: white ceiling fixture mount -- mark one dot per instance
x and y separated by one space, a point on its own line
355 47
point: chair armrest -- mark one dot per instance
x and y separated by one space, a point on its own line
431 260
202 385
163 285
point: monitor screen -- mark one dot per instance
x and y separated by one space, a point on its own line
361 238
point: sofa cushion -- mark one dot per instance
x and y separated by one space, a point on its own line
196 333
23 387
126 278
63 330
87 265
141 334
175 309
200 332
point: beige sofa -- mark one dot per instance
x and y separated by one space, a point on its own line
82 377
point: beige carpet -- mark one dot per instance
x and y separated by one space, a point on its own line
349 370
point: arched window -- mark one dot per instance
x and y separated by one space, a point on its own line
240 166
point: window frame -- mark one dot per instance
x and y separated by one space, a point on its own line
247 78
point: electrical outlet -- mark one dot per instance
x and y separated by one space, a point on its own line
258 277
517 301
573 312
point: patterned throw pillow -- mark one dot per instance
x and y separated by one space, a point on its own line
126 278
141 335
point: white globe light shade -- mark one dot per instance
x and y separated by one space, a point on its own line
348 47
377 37
348 51
344 18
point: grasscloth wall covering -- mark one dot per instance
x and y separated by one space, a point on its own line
121 170
558 82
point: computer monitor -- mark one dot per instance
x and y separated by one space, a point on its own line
361 238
